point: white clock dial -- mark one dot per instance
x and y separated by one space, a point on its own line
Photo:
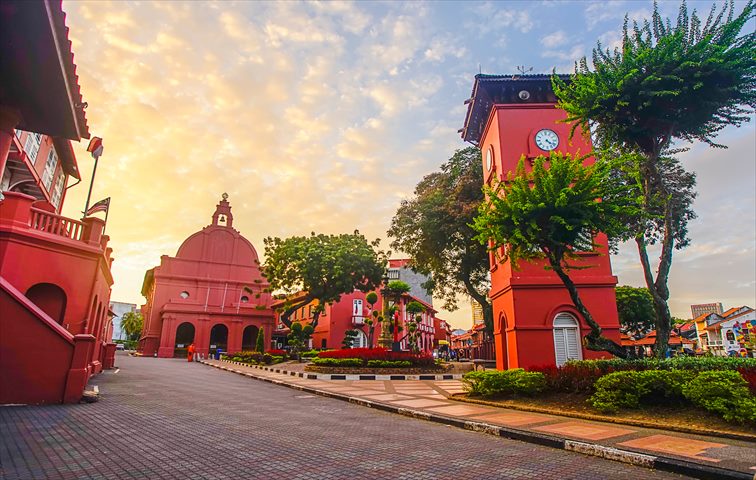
489 158
546 139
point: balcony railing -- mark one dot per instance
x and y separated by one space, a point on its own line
56 224
358 320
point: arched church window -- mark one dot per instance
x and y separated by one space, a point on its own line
184 294
244 299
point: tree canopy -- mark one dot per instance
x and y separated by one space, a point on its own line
131 323
683 81
433 228
553 212
323 266
635 307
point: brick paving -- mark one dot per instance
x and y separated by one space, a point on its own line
166 419
433 396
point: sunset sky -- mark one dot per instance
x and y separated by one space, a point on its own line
322 116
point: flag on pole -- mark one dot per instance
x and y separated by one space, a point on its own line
101 206
95 147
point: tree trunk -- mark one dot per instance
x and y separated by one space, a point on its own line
663 316
653 182
594 340
286 315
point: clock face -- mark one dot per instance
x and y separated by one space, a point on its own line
546 139
489 158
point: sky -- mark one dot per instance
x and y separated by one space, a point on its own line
323 116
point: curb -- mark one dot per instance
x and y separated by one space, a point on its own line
667 464
350 376
599 418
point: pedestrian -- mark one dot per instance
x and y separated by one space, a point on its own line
190 353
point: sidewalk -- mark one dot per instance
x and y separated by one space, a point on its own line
694 455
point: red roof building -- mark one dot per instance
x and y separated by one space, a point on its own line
55 272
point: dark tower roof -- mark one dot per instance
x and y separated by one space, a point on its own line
489 90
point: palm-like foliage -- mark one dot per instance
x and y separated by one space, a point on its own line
553 212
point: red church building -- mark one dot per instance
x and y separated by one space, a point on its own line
535 322
55 272
212 294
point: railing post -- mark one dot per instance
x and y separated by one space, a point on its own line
93 228
78 374
15 209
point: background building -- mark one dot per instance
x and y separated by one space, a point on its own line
477 313
399 270
118 309
703 308
212 294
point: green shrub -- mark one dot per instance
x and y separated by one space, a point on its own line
723 392
276 359
310 354
629 389
337 362
389 364
503 382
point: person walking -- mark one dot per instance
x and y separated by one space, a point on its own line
190 352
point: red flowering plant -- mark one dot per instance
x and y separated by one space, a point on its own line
277 352
367 354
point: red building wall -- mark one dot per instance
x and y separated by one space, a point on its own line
526 301
214 279
340 317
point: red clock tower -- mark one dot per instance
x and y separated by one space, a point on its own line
535 322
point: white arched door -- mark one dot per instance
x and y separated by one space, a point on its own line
360 341
566 339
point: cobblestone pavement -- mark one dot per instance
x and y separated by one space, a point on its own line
166 419
434 397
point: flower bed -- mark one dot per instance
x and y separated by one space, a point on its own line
381 354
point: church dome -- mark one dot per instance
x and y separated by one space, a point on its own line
219 242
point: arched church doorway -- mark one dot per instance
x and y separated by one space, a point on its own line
218 338
249 338
184 338
50 298
566 339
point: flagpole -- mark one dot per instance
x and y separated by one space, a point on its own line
91 183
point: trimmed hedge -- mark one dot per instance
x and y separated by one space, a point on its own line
581 375
629 389
504 382
389 364
337 362
723 392
367 354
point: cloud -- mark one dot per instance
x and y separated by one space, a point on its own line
556 39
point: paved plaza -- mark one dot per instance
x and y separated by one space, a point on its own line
167 419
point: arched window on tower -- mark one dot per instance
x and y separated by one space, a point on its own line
566 339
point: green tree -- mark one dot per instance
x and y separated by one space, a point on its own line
260 343
349 337
668 82
554 212
132 324
635 307
414 309
324 266
433 228
371 298
298 337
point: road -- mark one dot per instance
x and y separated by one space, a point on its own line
168 419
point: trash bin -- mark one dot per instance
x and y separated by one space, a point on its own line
218 354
